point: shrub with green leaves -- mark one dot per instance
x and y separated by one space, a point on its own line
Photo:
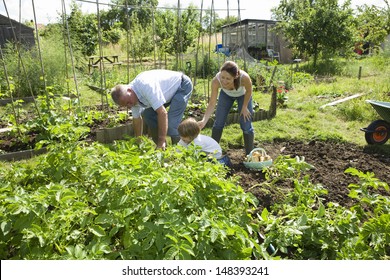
124 201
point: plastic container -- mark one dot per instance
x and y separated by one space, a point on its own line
258 159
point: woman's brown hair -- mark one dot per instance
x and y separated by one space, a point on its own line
232 68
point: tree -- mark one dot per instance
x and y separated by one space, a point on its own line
175 36
216 22
224 21
316 27
387 15
83 31
372 26
139 10
142 40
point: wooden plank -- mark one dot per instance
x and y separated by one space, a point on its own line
342 100
15 156
5 129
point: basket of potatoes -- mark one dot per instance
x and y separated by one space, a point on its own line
257 159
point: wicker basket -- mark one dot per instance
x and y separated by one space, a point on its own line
258 159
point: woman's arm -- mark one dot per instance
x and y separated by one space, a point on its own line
247 83
212 102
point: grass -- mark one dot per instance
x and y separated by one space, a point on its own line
303 119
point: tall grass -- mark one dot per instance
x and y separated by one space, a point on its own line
25 72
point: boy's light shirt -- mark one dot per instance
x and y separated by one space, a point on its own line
207 145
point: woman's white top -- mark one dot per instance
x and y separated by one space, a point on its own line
233 92
207 145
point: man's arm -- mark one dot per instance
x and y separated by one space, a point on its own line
138 126
162 123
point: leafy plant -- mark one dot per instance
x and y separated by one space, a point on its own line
125 201
303 226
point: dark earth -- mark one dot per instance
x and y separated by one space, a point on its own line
329 159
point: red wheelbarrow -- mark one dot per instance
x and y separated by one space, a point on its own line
378 132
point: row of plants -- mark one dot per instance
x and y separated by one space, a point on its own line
56 122
129 201
124 201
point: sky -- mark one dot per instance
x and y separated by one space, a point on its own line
47 11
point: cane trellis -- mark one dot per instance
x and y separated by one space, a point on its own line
130 57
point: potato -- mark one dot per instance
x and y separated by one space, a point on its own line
257 156
262 158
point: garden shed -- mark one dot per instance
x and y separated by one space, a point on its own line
257 38
23 33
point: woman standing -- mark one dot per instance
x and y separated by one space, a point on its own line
234 84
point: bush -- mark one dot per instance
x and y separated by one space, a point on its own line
208 66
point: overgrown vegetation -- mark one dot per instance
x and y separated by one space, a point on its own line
128 201
124 201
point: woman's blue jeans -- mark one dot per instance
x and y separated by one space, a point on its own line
176 109
224 105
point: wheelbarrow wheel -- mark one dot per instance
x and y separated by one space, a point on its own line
378 132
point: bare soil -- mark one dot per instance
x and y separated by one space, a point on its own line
330 160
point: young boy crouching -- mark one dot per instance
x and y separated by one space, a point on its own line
189 132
